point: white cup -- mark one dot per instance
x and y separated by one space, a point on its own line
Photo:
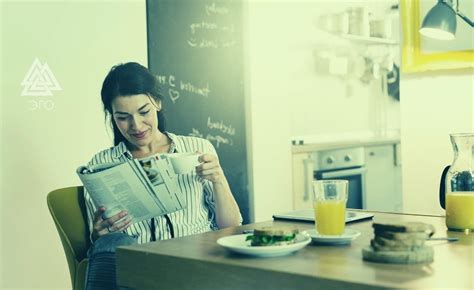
184 162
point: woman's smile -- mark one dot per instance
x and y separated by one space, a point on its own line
139 135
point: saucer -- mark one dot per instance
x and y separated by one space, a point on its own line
345 238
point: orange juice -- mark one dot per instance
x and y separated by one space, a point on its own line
460 210
330 216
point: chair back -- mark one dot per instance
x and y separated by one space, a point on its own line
68 209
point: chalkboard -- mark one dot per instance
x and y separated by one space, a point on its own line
195 50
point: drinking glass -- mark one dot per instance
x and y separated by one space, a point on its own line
329 203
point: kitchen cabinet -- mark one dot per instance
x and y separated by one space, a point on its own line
383 178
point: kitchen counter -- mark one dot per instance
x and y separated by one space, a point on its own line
345 143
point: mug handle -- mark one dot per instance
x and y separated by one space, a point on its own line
442 188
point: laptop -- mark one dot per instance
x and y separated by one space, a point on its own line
307 215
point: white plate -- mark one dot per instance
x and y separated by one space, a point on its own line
346 237
238 244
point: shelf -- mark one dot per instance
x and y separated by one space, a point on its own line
369 40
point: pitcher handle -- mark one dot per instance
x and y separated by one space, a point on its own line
442 188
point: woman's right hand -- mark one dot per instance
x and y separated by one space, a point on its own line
106 226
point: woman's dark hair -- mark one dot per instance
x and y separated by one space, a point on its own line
125 80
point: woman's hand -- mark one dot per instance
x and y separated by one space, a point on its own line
227 210
110 225
210 168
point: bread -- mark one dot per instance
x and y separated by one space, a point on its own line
406 227
393 248
424 254
401 242
402 236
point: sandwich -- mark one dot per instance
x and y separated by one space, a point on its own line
272 236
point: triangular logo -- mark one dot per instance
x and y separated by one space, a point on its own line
39 81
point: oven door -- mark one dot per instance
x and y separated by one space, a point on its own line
356 178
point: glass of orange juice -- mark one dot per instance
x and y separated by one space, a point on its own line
329 203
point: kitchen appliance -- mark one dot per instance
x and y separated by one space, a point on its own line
307 215
346 163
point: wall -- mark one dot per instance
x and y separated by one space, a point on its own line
46 138
268 90
433 106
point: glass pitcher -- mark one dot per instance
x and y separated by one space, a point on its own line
459 184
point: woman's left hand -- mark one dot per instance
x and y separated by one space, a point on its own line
226 208
210 168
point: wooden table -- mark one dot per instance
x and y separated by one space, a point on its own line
197 262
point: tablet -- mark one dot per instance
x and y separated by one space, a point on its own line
307 215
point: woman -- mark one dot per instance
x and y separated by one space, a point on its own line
131 100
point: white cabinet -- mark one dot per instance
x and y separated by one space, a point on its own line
383 178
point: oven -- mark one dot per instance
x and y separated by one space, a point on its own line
346 163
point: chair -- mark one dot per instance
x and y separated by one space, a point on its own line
68 209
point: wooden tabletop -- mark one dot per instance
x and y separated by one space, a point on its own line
198 262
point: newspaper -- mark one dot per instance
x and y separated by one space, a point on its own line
145 188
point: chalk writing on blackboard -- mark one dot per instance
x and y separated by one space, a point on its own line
187 86
216 139
169 80
177 86
215 9
174 95
219 125
206 43
202 43
203 26
212 32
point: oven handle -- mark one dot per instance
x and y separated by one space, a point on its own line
308 178
343 173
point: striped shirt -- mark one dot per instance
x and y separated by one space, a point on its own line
199 214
